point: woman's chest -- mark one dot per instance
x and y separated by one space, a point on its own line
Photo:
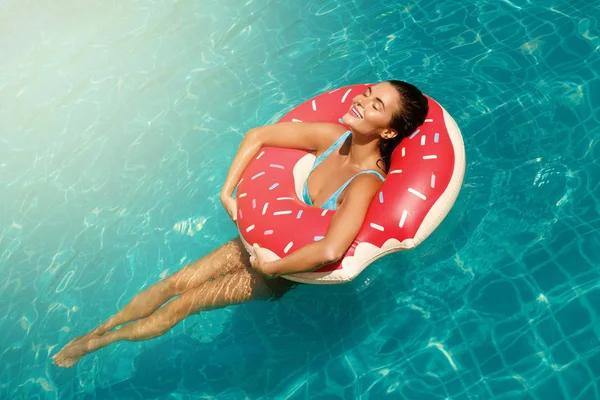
329 176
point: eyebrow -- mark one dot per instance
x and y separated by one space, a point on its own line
378 99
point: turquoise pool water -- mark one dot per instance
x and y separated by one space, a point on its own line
118 124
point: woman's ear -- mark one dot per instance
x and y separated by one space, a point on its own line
389 133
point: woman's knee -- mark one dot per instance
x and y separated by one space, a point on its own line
178 282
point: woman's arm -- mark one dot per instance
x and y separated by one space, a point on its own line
299 135
342 231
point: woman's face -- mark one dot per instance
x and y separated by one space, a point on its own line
371 112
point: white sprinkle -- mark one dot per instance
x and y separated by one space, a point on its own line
378 227
241 180
265 208
248 229
295 120
260 155
346 95
269 232
428 120
288 247
396 171
423 140
433 157
403 151
253 203
276 166
416 193
282 212
314 104
286 198
403 219
323 213
432 180
243 195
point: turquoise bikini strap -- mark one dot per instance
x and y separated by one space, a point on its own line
331 149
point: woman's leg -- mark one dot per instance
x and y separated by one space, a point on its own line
235 288
230 257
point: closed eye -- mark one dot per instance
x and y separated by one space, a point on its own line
366 94
376 106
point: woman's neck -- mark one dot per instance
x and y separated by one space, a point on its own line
363 154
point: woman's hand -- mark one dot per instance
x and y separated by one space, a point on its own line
230 206
260 261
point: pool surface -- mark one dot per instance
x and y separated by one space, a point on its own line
119 121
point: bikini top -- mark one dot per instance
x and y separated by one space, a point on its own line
331 202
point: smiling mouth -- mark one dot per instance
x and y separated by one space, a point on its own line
354 112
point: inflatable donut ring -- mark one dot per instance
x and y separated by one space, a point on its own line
425 176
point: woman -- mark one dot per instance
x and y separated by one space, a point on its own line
348 171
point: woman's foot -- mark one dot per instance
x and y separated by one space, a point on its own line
72 352
77 348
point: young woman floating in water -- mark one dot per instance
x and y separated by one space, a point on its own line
378 119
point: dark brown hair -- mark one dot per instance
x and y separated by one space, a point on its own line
411 114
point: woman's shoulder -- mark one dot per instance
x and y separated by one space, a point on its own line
328 133
314 136
331 130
